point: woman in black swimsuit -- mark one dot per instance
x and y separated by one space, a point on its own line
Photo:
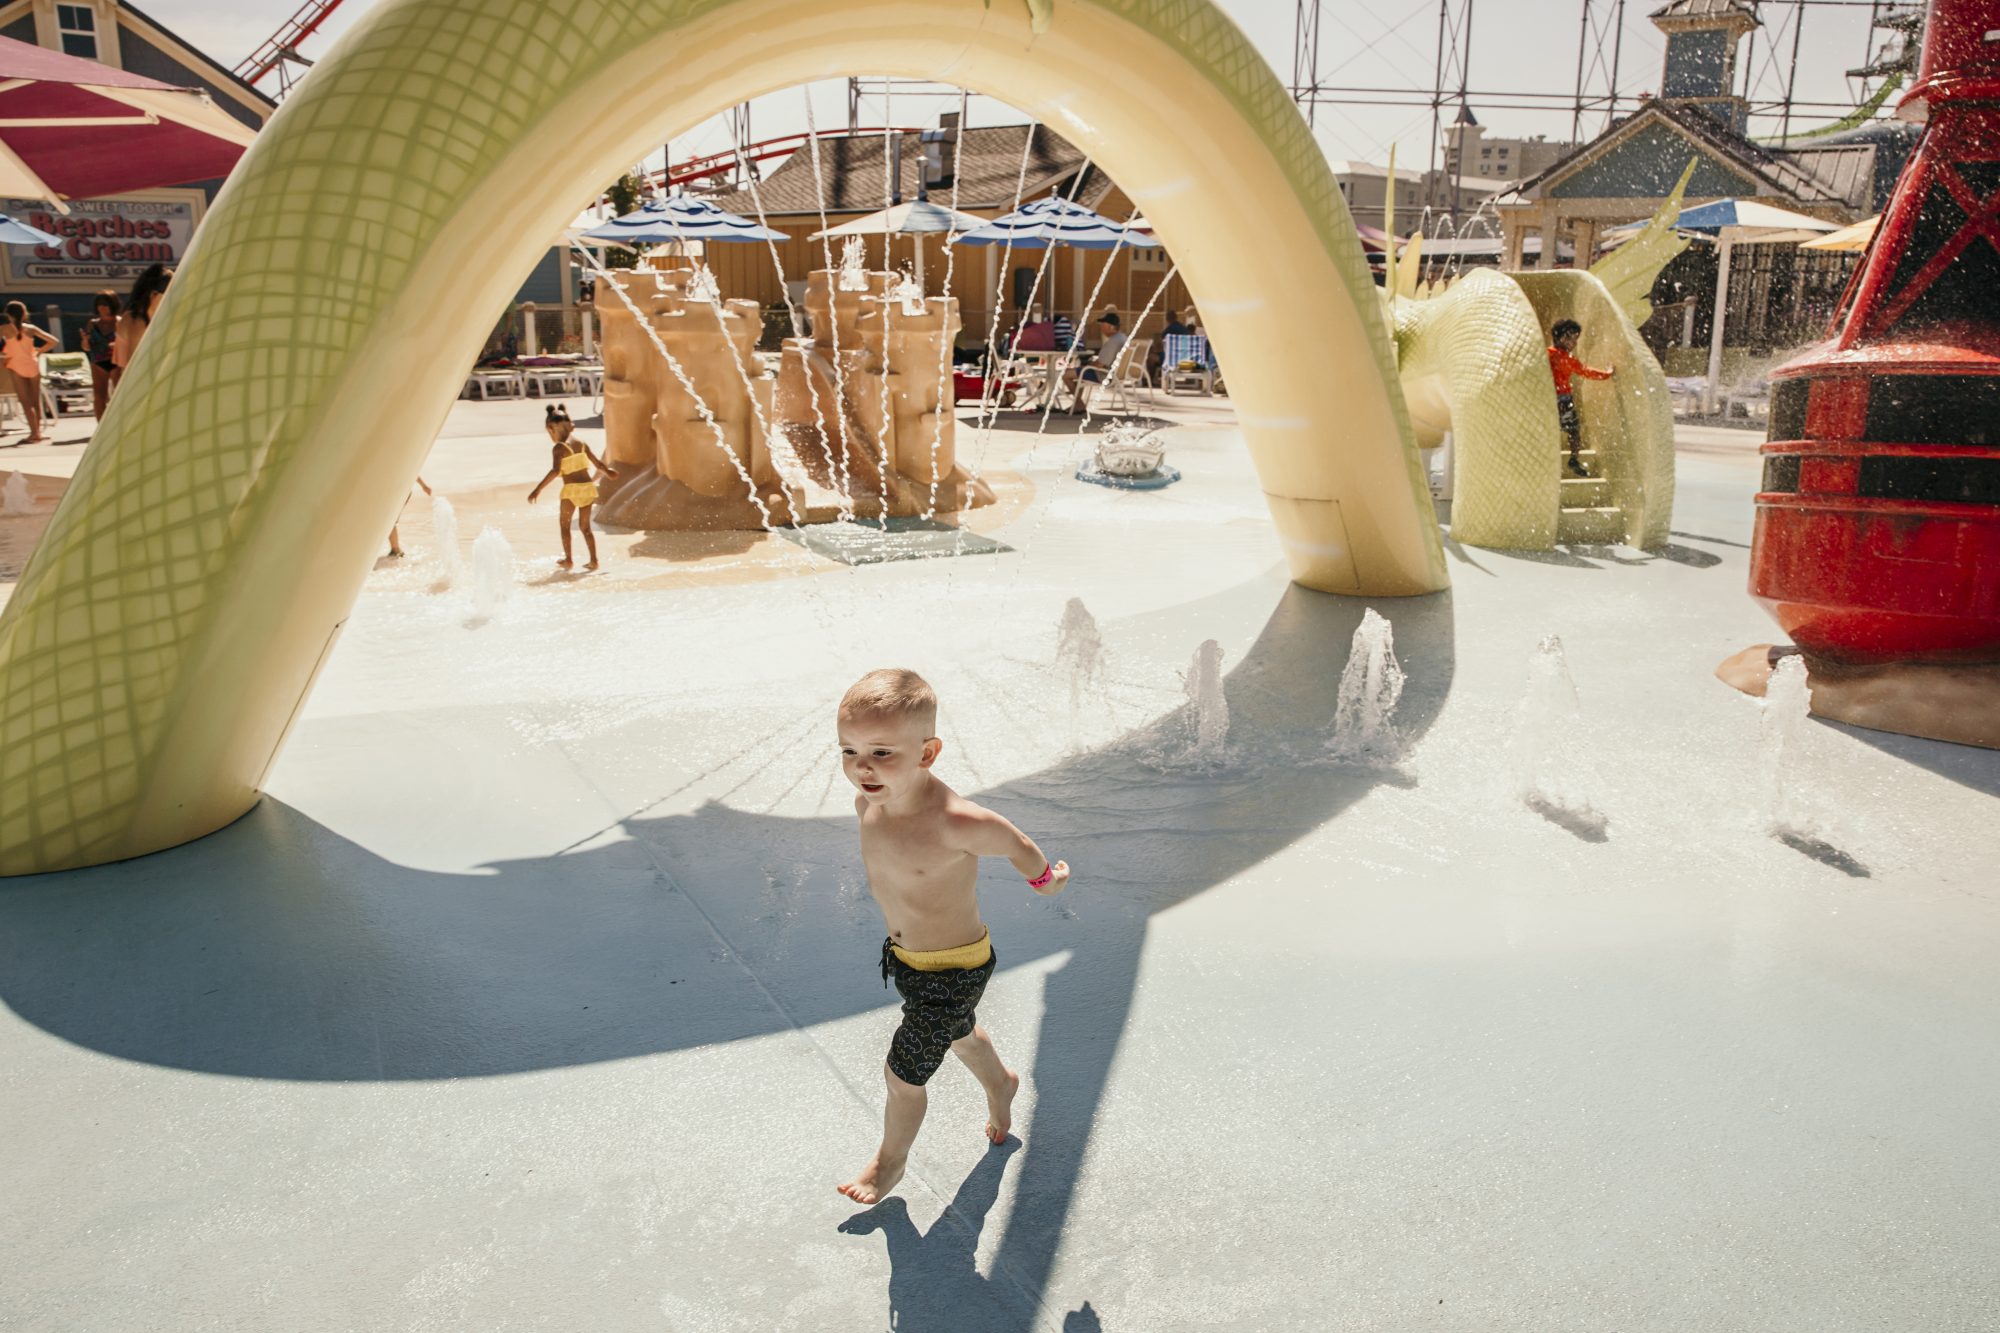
98 337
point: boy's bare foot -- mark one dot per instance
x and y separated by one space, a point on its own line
1000 1113
565 564
593 566
874 1182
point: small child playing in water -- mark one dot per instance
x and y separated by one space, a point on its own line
1563 364
921 843
571 460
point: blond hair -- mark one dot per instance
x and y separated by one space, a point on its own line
892 692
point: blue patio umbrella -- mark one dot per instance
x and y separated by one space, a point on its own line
681 218
20 233
1057 221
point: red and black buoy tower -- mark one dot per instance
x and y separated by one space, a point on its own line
1878 520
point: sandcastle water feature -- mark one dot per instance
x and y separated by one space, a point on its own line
856 420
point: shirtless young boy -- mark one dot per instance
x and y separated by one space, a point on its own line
921 843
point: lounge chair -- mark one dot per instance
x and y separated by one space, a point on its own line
1187 363
1130 373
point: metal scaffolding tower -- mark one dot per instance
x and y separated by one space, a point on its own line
1595 102
1603 24
1305 57
1451 86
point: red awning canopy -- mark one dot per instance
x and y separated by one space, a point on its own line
73 128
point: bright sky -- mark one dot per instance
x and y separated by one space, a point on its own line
1517 46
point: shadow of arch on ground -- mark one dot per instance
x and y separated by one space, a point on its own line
217 535
280 950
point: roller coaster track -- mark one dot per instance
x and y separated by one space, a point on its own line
282 47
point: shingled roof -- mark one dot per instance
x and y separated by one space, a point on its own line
1705 9
989 166
1807 178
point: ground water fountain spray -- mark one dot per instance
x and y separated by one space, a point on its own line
1551 776
1364 729
1079 657
492 573
444 536
1783 717
1208 708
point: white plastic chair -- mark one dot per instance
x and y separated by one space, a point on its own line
1132 371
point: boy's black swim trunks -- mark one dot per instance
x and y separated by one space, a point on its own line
937 1011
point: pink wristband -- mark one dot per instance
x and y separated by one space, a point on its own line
1042 880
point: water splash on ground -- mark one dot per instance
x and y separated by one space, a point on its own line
1208 709
492 574
444 536
1551 775
15 500
1079 659
1782 725
1364 729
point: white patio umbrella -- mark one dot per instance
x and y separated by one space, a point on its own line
919 217
1732 222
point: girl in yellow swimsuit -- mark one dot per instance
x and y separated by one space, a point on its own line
572 460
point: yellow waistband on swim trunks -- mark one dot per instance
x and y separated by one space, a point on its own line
953 959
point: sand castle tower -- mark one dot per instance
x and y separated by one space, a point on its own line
677 470
871 386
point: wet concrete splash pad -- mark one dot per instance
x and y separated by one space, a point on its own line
543 987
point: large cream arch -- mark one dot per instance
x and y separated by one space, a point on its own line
167 630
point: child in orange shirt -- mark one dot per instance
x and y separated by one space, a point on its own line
1563 364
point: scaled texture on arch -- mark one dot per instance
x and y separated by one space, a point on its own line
188 589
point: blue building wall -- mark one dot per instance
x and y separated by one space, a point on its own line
1697 64
544 285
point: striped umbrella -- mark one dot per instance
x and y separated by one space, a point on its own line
681 218
1058 221
15 232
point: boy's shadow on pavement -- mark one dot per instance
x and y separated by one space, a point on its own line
935 1285
934 1279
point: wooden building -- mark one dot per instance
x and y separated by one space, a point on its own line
981 171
